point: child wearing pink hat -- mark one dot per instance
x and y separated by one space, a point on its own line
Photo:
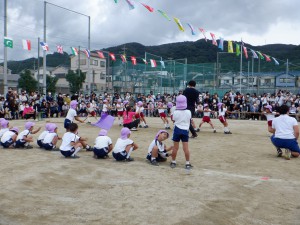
161 111
24 137
71 115
181 118
270 115
124 146
8 139
139 114
206 118
4 126
50 140
43 135
158 151
222 118
120 110
103 145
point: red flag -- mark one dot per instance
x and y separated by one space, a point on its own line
133 60
245 52
267 58
60 49
214 41
148 7
153 63
112 56
101 55
203 32
123 57
26 44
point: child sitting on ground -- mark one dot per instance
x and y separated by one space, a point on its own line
124 146
103 145
50 140
9 138
23 138
42 136
158 151
4 126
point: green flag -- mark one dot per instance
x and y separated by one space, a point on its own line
238 50
8 42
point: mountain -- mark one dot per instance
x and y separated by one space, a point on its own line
196 52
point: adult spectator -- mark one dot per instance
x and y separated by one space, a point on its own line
192 96
285 131
28 112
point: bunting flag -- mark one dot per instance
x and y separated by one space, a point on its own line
133 60
101 55
130 4
145 61
230 47
45 46
164 14
26 44
8 42
203 32
177 21
112 56
87 53
254 54
245 52
214 41
153 63
237 49
260 55
60 49
123 57
148 7
221 44
74 51
267 58
162 63
192 29
276 62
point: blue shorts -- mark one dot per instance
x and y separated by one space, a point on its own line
48 146
159 158
67 123
20 144
180 135
7 143
120 156
101 153
290 144
67 153
40 143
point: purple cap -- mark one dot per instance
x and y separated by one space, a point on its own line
4 123
125 102
119 100
124 133
161 131
102 132
268 107
15 129
140 103
47 126
170 105
28 125
73 104
220 104
52 127
105 101
181 102
205 105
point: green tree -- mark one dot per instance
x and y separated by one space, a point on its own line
27 82
51 84
75 80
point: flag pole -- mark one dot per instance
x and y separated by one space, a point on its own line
241 66
5 51
44 52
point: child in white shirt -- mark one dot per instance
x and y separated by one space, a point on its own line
71 115
4 126
51 138
9 138
23 138
103 145
43 135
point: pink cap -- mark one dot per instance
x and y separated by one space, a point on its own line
4 123
205 105
181 102
220 104
28 125
124 133
139 103
268 107
161 131
119 100
105 101
102 132
170 105
15 129
73 104
52 127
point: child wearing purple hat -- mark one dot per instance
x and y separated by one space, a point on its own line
270 115
181 118
206 118
103 145
50 140
120 110
4 126
9 137
71 115
158 151
23 138
222 113
43 135
124 146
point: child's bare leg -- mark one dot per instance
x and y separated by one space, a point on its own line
154 153
54 140
212 126
185 146
175 150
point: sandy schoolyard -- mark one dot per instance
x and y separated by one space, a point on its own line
236 179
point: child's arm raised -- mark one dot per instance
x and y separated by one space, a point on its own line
35 131
78 119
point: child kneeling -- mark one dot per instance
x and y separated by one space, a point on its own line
103 145
50 140
9 138
23 138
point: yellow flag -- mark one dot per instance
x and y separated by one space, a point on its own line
177 21
230 47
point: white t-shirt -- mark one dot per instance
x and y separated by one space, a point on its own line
49 137
172 110
161 110
102 142
139 109
182 119
160 145
206 113
66 141
222 113
3 130
121 145
7 136
283 126
104 109
22 134
120 107
71 114
270 116
43 135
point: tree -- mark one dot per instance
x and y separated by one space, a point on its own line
27 82
75 80
51 84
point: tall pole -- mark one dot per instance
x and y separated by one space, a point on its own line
252 72
185 73
241 68
107 73
38 65
5 50
287 72
248 75
89 46
218 67
44 52
78 72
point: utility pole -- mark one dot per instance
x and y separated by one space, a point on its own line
38 65
125 69
44 52
5 51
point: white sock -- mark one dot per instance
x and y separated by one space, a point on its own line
143 124
128 154
153 158
187 162
88 119
76 151
174 161
226 129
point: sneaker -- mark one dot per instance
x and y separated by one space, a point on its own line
28 147
227 132
133 129
74 157
88 122
188 166
120 124
89 148
154 162
279 152
197 130
172 165
146 126
140 126
194 136
129 159
215 131
287 154
55 149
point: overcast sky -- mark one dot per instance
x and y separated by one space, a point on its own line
257 22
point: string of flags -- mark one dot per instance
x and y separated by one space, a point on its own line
239 48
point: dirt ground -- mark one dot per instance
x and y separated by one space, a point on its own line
236 179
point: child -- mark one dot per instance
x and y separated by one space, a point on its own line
71 115
206 117
222 113
172 110
71 142
140 115
181 117
9 138
157 151
103 145
23 138
129 120
163 116
90 111
4 126
42 136
124 146
120 109
50 140
106 107
269 115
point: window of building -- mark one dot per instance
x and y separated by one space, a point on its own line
251 80
102 63
102 76
94 62
286 80
108 79
82 61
